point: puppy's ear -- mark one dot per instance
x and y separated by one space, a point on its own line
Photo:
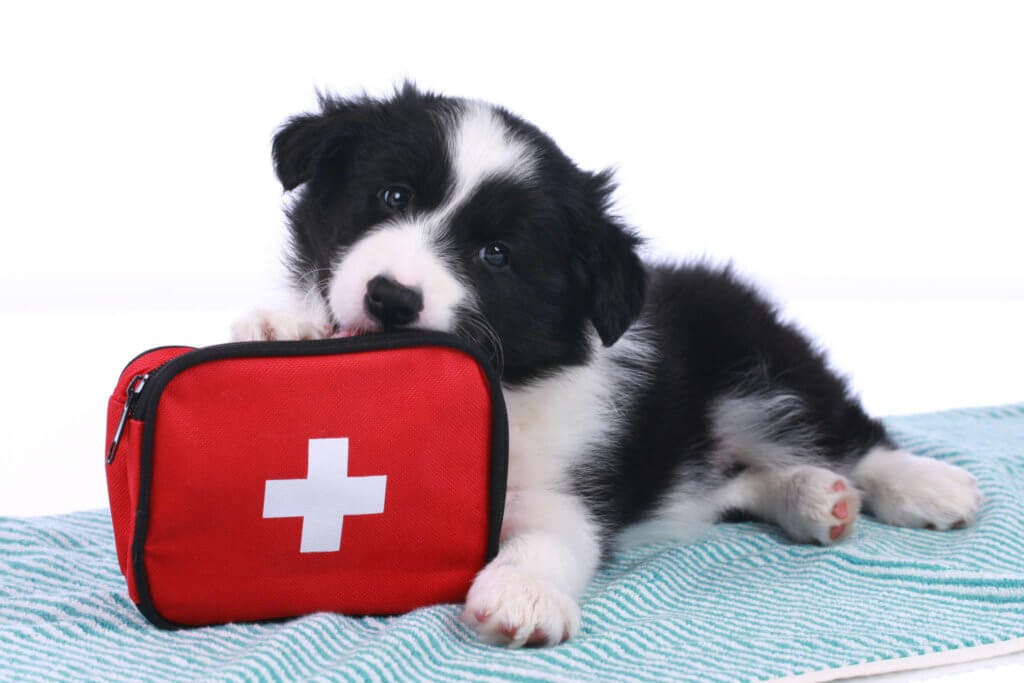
297 148
615 276
308 142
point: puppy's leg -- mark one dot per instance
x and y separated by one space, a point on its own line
303 319
908 490
528 593
811 504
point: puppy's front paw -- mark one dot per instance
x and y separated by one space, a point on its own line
508 605
278 324
913 491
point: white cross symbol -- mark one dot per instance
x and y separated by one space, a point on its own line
325 496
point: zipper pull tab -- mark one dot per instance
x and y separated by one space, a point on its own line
131 395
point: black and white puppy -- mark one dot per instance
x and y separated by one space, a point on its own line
645 402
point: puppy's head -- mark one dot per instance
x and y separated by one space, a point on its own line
448 214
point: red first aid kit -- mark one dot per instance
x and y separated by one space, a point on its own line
261 480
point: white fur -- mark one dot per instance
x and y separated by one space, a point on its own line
555 423
408 253
746 430
548 553
412 250
913 491
550 544
482 147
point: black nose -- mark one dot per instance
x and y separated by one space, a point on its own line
392 304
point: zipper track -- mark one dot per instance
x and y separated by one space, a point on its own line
145 408
379 341
154 350
135 408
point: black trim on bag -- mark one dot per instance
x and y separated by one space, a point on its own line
154 350
149 400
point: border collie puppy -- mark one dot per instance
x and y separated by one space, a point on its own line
645 402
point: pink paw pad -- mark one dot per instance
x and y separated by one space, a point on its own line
840 511
508 630
538 637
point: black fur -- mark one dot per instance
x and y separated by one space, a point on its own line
573 268
718 337
351 148
573 263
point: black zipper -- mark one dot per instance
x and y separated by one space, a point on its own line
136 398
132 393
133 396
137 408
377 341
154 350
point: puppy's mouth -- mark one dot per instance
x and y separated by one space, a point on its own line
364 327
352 326
343 331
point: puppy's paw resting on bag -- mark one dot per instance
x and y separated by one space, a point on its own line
280 324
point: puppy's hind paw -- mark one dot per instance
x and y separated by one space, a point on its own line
909 490
821 506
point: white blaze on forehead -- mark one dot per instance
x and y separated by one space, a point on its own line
411 250
482 147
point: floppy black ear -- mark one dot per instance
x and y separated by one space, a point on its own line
615 274
311 146
297 148
309 142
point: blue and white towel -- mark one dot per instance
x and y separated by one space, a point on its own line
742 604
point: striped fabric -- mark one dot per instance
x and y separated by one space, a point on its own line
743 604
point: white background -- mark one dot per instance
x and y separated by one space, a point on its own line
864 161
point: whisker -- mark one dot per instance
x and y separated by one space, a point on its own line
310 284
475 328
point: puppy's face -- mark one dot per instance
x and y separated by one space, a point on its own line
431 212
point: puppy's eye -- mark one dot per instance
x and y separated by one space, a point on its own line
495 254
395 196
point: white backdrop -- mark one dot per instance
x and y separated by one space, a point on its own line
865 161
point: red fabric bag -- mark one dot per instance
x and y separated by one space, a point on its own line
261 480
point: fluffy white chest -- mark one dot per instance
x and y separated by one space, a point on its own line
568 420
553 425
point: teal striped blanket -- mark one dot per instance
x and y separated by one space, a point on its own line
744 603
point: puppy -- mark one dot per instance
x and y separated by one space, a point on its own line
645 402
